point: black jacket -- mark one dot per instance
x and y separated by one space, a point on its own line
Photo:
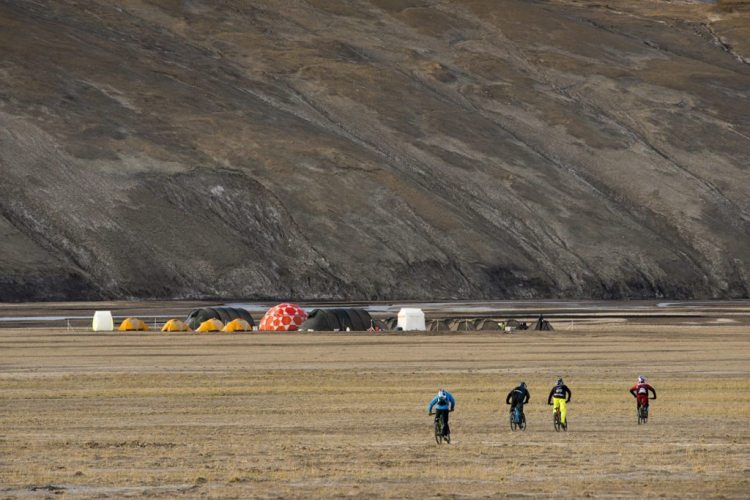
518 395
559 391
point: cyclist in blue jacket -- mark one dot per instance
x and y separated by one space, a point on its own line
443 403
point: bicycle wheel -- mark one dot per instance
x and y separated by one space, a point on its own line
558 425
512 422
447 438
438 430
522 425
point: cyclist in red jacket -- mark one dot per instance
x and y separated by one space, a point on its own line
640 392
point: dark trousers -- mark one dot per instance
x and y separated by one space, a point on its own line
443 414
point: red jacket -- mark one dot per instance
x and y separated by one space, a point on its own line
641 391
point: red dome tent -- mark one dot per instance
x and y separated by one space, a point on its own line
283 318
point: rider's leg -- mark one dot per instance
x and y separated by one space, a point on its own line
556 405
446 428
562 410
643 401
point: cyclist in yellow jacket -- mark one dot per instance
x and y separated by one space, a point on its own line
559 393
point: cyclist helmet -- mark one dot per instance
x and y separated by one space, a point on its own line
641 379
559 381
441 394
522 384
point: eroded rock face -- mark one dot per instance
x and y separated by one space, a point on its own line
374 149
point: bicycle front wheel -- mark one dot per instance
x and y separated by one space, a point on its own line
440 428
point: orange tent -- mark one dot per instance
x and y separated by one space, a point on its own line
132 324
238 325
210 325
175 325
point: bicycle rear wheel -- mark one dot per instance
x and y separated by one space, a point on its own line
558 425
522 425
642 415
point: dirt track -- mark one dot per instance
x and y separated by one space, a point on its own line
315 414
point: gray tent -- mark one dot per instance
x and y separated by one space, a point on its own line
486 324
390 323
438 325
461 325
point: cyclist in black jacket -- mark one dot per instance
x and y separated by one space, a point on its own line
518 397
559 392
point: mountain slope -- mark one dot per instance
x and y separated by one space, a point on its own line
373 149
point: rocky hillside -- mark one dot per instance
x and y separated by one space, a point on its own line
374 149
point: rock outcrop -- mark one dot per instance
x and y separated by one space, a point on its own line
377 149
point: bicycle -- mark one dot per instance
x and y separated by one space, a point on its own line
558 421
439 437
517 419
642 414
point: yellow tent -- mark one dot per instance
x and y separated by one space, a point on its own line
175 325
238 325
132 324
210 325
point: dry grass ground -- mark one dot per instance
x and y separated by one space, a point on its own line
329 415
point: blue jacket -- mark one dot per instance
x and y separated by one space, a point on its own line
449 405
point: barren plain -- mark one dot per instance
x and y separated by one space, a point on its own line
300 415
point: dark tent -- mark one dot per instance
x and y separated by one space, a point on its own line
328 320
542 324
223 314
320 320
